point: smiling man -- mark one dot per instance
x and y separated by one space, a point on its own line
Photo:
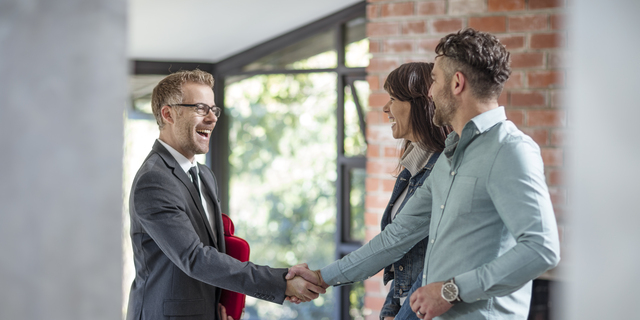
176 222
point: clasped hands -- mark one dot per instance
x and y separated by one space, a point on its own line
303 284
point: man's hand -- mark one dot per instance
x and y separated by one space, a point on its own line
303 271
302 289
427 302
223 312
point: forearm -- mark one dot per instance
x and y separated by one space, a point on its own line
410 226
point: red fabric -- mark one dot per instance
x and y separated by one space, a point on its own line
239 249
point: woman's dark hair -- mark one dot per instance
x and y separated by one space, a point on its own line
411 82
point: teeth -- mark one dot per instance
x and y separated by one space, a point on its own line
392 120
204 131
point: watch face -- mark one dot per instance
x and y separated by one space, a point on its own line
449 291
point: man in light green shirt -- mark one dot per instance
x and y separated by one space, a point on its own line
486 207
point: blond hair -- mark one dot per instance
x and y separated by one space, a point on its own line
169 90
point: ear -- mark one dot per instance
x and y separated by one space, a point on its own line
458 83
166 113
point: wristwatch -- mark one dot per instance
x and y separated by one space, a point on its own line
450 292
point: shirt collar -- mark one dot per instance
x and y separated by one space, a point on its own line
184 163
488 119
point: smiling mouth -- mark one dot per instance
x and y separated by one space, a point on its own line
392 121
204 133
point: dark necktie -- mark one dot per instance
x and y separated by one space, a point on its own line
194 176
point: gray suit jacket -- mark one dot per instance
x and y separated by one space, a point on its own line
180 268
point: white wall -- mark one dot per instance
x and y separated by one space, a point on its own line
63 76
603 255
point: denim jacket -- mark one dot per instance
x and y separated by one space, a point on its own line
408 268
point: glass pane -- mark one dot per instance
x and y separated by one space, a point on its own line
356 44
357 311
282 137
141 87
354 142
356 201
315 52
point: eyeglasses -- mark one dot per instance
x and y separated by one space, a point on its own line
202 109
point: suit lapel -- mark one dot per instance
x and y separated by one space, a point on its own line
186 181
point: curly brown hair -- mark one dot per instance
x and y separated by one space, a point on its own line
169 90
480 56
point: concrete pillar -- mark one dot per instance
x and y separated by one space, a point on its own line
603 256
63 73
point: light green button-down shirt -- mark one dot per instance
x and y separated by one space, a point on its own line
487 211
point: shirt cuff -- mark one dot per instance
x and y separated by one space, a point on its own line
469 287
332 275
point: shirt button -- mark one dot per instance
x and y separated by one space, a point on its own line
442 206
424 277
400 268
433 240
453 173
338 282
477 132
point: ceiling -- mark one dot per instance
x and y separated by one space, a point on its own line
212 30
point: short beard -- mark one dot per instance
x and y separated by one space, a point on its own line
445 110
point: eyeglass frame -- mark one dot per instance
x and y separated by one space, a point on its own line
217 111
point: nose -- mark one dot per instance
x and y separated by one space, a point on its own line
386 107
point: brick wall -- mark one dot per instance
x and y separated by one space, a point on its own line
404 31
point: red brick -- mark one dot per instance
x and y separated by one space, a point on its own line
447 25
382 64
391 152
528 23
380 167
547 40
374 117
527 99
378 100
373 151
544 4
431 8
372 286
414 27
427 45
545 79
397 9
371 219
398 46
540 136
374 46
512 42
557 98
377 29
515 81
552 156
503 99
556 60
374 83
555 177
527 60
387 186
557 21
557 137
516 116
372 184
375 202
505 5
373 11
489 24
546 118
374 303
558 195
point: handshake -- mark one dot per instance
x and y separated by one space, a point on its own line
303 284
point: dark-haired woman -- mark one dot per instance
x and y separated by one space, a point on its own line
410 111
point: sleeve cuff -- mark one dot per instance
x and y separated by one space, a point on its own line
470 289
332 275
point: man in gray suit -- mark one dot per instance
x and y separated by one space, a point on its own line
176 223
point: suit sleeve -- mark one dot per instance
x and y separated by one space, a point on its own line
162 213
